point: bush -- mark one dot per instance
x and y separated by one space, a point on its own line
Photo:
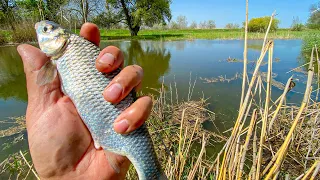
261 24
296 25
3 39
309 42
24 33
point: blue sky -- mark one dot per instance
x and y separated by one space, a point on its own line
233 11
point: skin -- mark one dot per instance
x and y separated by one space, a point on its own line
60 144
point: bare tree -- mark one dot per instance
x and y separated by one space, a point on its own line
182 22
193 25
85 9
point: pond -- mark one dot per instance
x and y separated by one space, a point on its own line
170 62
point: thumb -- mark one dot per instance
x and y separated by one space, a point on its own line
33 59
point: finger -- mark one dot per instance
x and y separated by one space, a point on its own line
134 116
33 59
109 59
90 32
123 83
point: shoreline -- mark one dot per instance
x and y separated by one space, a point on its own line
166 40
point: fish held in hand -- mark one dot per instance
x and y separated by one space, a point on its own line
73 59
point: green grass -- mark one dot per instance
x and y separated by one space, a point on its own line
171 34
190 34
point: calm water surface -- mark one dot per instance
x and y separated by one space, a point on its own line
170 62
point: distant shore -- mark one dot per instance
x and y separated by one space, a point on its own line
182 34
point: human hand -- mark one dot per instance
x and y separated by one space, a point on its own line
61 147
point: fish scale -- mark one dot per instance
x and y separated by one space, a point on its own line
84 85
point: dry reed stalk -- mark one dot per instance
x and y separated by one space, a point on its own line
254 155
245 54
245 146
25 160
318 63
283 96
269 26
266 113
285 145
193 172
316 172
312 137
242 110
308 173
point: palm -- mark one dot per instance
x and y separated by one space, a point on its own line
59 137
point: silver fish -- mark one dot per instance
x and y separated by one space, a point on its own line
74 59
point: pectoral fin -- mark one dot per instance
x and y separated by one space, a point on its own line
47 74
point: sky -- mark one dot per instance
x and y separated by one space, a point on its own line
233 11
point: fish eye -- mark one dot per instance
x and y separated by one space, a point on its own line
47 29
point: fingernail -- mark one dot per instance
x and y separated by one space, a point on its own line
108 59
113 92
121 126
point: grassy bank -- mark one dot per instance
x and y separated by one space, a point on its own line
190 34
26 33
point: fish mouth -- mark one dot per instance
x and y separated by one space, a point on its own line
36 25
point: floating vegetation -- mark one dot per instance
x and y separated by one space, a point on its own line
15 141
16 166
221 78
19 125
235 60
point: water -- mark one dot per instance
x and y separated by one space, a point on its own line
170 62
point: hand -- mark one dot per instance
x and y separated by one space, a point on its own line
60 145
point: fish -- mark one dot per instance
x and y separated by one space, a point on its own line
72 59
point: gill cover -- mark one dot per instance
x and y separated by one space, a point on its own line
52 40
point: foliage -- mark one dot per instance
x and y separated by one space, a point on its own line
30 9
106 20
309 42
193 25
135 13
7 16
261 24
232 26
314 19
3 39
296 25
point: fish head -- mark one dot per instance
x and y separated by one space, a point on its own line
52 37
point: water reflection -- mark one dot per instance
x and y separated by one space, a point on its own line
12 78
152 56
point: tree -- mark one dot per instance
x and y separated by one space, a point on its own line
193 25
85 9
211 24
232 26
261 24
314 19
173 25
137 12
7 16
182 22
203 25
296 24
52 9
